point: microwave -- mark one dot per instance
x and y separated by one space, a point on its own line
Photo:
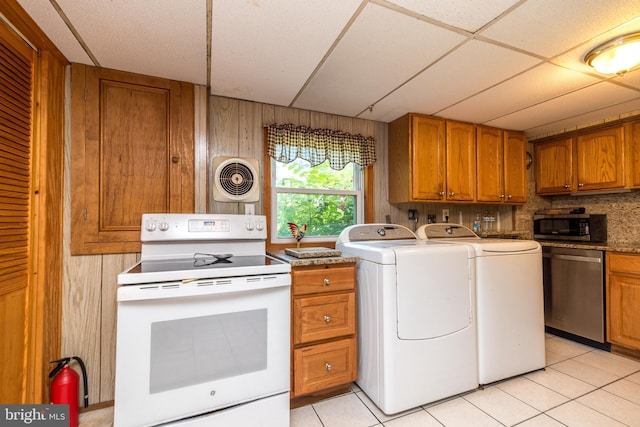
571 227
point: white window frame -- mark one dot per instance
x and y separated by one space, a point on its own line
358 180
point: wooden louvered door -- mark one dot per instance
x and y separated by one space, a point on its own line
16 94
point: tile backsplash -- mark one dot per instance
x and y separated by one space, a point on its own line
622 209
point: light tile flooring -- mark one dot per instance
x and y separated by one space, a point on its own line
581 387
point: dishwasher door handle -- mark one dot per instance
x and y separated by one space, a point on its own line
574 258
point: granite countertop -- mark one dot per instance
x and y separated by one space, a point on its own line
627 247
297 262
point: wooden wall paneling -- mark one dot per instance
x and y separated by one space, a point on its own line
285 115
381 186
223 142
81 315
111 266
268 114
250 143
201 156
323 121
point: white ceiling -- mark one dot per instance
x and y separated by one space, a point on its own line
515 64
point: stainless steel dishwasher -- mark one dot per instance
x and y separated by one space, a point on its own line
574 292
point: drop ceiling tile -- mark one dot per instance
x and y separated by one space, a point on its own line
450 81
162 38
381 50
595 97
631 78
537 85
551 27
463 14
265 51
612 112
55 28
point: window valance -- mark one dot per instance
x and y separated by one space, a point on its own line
287 142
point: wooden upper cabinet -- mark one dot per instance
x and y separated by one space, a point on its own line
599 159
132 153
515 167
461 161
554 167
490 164
428 155
416 159
632 144
501 170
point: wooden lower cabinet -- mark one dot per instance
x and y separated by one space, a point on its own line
324 353
623 300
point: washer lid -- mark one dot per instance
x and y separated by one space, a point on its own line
445 231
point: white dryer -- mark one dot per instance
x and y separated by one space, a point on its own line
510 304
416 320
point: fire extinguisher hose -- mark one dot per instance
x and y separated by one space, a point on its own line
85 382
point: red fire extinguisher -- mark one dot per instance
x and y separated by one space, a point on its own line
64 386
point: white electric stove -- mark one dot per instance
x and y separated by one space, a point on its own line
203 325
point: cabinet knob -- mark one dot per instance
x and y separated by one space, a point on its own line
441 193
327 318
327 282
175 159
509 196
566 186
451 193
328 366
502 196
580 184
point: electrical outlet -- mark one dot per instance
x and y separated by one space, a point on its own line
445 215
249 209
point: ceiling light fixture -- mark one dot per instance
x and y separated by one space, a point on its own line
616 56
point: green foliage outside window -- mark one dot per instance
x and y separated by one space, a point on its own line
324 214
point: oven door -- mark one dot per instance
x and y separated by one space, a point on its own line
185 349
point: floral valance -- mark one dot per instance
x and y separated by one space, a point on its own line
287 142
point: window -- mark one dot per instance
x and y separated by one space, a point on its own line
316 178
324 199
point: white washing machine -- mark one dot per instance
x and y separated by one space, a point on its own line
510 304
416 320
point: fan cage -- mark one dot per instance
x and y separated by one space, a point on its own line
236 179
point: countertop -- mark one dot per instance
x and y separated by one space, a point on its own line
297 262
599 246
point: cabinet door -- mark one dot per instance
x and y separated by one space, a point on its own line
553 166
490 155
427 172
461 161
632 136
623 314
515 169
133 153
599 160
623 299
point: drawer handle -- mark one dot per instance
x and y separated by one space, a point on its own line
327 282
327 319
327 366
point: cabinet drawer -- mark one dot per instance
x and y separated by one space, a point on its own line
323 280
323 317
323 366
623 263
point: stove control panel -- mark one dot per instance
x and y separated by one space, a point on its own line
183 227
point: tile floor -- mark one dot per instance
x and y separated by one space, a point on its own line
581 387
